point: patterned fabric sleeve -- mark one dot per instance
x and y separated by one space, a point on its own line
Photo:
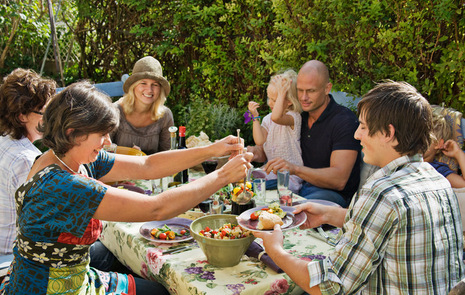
102 166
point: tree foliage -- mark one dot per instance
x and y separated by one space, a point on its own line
225 51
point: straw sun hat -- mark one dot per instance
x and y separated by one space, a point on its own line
147 68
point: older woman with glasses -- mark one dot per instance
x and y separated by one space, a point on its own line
23 97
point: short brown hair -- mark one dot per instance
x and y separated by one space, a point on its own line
399 104
80 108
22 92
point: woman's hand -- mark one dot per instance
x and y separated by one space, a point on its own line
236 169
230 145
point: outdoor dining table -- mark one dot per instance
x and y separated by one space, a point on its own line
188 271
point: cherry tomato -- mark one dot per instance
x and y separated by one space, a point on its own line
254 215
207 228
265 209
162 236
183 232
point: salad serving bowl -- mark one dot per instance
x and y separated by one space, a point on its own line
222 253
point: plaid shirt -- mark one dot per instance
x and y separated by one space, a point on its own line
402 235
16 159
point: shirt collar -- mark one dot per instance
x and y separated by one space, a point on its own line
328 109
395 165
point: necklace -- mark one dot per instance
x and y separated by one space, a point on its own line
66 165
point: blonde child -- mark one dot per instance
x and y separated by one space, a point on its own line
279 132
443 143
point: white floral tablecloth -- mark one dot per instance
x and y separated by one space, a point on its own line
188 272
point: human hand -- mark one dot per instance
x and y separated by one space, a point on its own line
282 86
230 145
451 149
253 106
278 164
236 168
271 239
316 214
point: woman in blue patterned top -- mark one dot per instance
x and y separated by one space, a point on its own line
64 199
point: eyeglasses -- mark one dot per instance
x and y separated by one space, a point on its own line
38 112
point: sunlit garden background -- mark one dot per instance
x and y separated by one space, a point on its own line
218 55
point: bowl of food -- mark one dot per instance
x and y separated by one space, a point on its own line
221 239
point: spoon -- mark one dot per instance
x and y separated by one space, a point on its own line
245 196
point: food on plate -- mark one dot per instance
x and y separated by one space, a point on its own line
197 141
237 190
166 233
267 220
228 231
275 208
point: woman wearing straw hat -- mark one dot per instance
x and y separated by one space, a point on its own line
144 119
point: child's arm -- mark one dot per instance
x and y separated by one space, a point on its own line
259 133
451 149
278 115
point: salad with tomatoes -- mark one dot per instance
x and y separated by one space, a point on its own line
228 231
166 233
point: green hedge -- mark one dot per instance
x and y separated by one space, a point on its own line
223 52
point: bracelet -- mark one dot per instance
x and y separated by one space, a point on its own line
256 118
261 254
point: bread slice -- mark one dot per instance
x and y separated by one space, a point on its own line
267 220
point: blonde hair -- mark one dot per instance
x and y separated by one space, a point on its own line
290 75
158 107
441 128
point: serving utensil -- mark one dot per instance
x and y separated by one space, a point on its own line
245 196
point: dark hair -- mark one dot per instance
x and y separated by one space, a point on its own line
22 92
399 104
79 110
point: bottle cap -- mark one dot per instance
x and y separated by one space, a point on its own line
182 130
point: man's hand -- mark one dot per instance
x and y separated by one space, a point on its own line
318 214
272 241
279 164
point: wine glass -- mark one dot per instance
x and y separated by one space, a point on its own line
205 206
209 165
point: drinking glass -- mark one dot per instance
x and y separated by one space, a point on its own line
206 206
259 188
217 205
285 195
209 165
110 148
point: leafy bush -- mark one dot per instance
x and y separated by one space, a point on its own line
216 120
225 51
